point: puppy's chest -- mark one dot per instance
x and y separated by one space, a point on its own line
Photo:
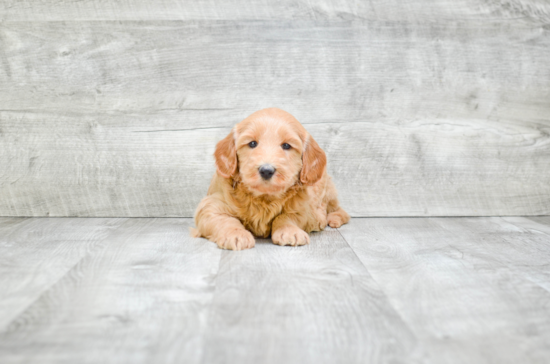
258 218
257 214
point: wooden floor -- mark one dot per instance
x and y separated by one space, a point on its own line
379 290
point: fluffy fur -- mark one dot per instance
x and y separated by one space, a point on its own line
298 199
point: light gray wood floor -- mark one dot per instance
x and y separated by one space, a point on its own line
399 290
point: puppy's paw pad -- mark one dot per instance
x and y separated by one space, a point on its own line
236 240
290 235
335 220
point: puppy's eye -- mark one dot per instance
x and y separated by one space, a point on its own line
286 146
253 144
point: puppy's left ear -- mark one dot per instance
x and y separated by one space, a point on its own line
314 162
226 156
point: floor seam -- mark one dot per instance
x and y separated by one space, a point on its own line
397 313
210 305
7 330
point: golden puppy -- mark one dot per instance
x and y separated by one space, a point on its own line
270 179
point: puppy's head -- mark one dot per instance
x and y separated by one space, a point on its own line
270 151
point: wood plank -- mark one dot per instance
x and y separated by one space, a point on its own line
395 10
36 253
418 168
141 298
312 304
431 290
461 284
531 257
443 118
326 71
542 220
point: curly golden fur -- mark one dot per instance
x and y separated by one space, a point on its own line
299 197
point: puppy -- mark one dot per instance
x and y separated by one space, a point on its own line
270 179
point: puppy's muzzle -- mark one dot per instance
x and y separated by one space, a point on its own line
267 171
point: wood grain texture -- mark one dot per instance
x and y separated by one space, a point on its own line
311 304
542 220
394 10
380 290
471 289
140 297
423 109
36 253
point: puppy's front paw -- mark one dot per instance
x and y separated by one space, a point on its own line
290 235
236 240
335 220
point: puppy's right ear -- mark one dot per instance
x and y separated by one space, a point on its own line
226 156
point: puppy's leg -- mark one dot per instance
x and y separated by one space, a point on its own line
215 223
336 215
285 231
337 218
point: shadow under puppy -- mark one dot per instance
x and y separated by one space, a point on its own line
270 179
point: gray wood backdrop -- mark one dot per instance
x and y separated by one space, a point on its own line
434 107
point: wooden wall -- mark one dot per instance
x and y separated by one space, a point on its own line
425 108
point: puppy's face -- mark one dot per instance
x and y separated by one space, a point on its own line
271 151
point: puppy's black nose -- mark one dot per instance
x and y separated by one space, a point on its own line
267 171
